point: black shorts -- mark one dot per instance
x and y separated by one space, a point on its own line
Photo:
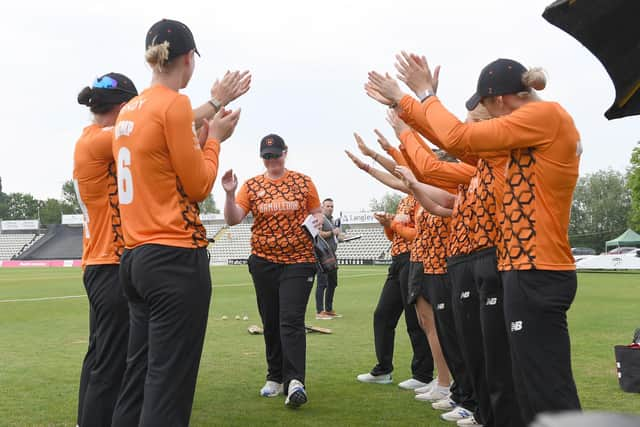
417 286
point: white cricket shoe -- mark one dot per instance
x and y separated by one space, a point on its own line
297 395
375 379
411 384
445 404
271 389
468 422
426 388
456 414
436 393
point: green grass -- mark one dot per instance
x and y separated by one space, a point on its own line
42 344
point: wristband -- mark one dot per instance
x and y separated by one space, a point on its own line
425 95
215 104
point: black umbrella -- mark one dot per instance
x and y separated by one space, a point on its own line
610 29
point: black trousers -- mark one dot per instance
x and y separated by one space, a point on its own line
282 293
466 313
326 285
535 306
169 290
439 288
497 352
105 361
392 303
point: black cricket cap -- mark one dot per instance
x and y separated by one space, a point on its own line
178 35
501 77
272 144
108 89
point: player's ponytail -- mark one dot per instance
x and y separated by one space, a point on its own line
157 56
84 97
535 78
97 100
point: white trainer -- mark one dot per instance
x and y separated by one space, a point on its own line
468 422
297 395
375 379
445 404
456 414
426 388
438 392
411 384
271 389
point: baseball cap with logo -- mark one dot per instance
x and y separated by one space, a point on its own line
109 89
272 144
501 77
176 33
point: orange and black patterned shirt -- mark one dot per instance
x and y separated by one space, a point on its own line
418 246
542 170
485 188
402 234
95 181
279 207
437 244
486 212
459 243
162 171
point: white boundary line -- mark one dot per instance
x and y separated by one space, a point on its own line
42 299
234 285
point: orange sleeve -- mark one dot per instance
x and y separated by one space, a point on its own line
197 168
429 166
388 233
313 201
405 231
528 126
102 147
470 160
423 178
242 198
397 156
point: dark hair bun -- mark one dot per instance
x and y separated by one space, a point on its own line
85 95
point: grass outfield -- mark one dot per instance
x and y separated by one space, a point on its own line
42 343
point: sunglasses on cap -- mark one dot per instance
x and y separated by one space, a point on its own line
106 82
268 156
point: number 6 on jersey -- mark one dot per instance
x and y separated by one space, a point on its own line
125 180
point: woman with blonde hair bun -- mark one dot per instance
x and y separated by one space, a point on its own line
164 170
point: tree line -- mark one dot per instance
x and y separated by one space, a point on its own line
15 206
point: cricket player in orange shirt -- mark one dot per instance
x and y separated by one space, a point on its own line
282 262
164 169
94 178
534 258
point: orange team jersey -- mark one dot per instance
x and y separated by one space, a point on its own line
279 207
436 244
444 175
162 171
459 243
431 169
402 234
541 174
94 178
486 187
418 246
486 210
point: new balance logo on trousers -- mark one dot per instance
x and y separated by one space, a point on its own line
516 326
491 301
